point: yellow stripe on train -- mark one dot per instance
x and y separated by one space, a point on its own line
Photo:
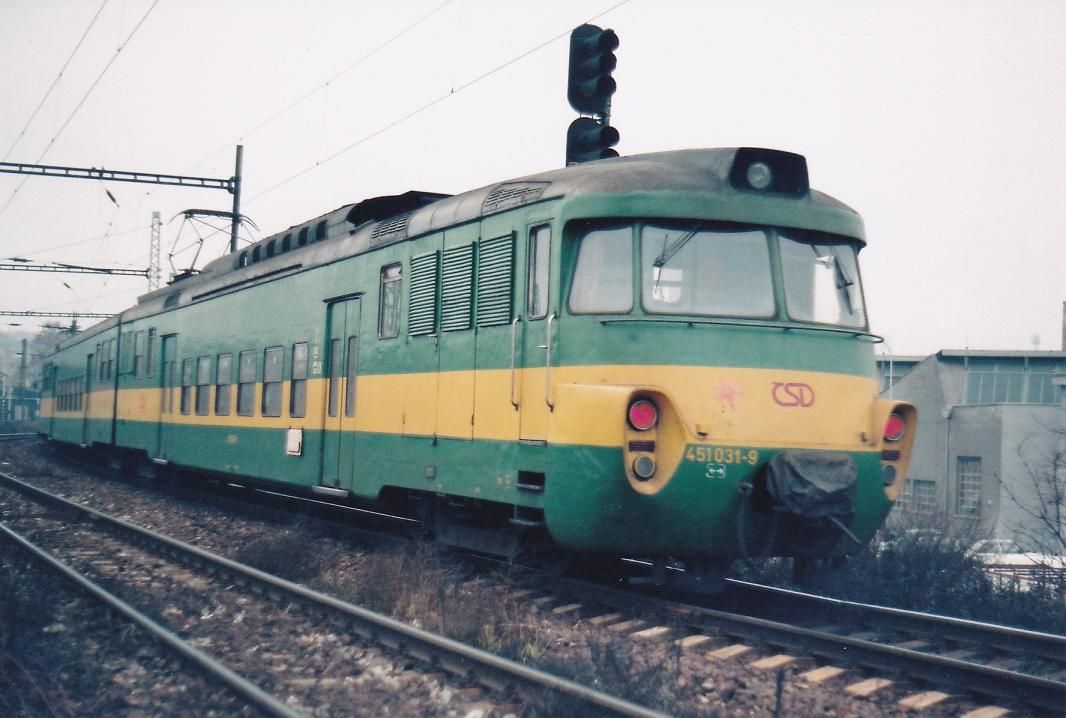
582 405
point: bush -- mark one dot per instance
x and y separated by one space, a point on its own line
931 570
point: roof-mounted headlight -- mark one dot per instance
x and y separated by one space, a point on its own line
759 175
760 170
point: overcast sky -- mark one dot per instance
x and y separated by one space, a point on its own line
943 123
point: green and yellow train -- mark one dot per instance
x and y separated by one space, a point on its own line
663 356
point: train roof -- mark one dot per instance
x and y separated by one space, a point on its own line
707 176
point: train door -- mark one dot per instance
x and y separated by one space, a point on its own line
168 374
87 384
342 355
535 351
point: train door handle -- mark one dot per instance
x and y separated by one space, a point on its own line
548 362
514 352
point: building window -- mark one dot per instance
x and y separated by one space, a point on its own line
298 385
389 302
222 384
187 367
1011 380
203 386
968 486
918 496
246 384
273 368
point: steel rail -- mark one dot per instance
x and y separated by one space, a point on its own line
243 687
1007 638
23 435
459 658
952 672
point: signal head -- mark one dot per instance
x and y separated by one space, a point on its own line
592 61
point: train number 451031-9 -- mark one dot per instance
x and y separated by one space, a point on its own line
722 455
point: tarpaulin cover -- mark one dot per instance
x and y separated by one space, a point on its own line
813 484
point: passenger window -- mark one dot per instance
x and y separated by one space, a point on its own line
298 385
246 384
149 369
353 362
389 302
273 369
187 368
223 383
138 355
336 358
203 386
538 260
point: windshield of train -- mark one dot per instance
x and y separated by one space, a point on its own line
821 282
689 269
704 269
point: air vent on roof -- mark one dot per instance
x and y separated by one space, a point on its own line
172 300
513 194
391 229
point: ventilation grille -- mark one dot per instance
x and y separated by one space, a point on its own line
513 194
391 229
422 319
494 278
457 275
172 300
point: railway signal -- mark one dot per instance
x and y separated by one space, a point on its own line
588 140
592 60
589 90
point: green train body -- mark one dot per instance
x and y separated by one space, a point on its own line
474 360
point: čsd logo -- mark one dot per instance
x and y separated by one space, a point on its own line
793 394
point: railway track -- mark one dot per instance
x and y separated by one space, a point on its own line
924 659
140 564
16 437
934 658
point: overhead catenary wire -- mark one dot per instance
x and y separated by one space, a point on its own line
311 93
322 86
55 82
432 103
81 102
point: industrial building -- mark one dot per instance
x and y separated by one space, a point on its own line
990 453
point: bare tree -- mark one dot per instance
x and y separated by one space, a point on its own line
1040 494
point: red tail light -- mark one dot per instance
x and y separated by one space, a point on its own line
895 428
643 415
